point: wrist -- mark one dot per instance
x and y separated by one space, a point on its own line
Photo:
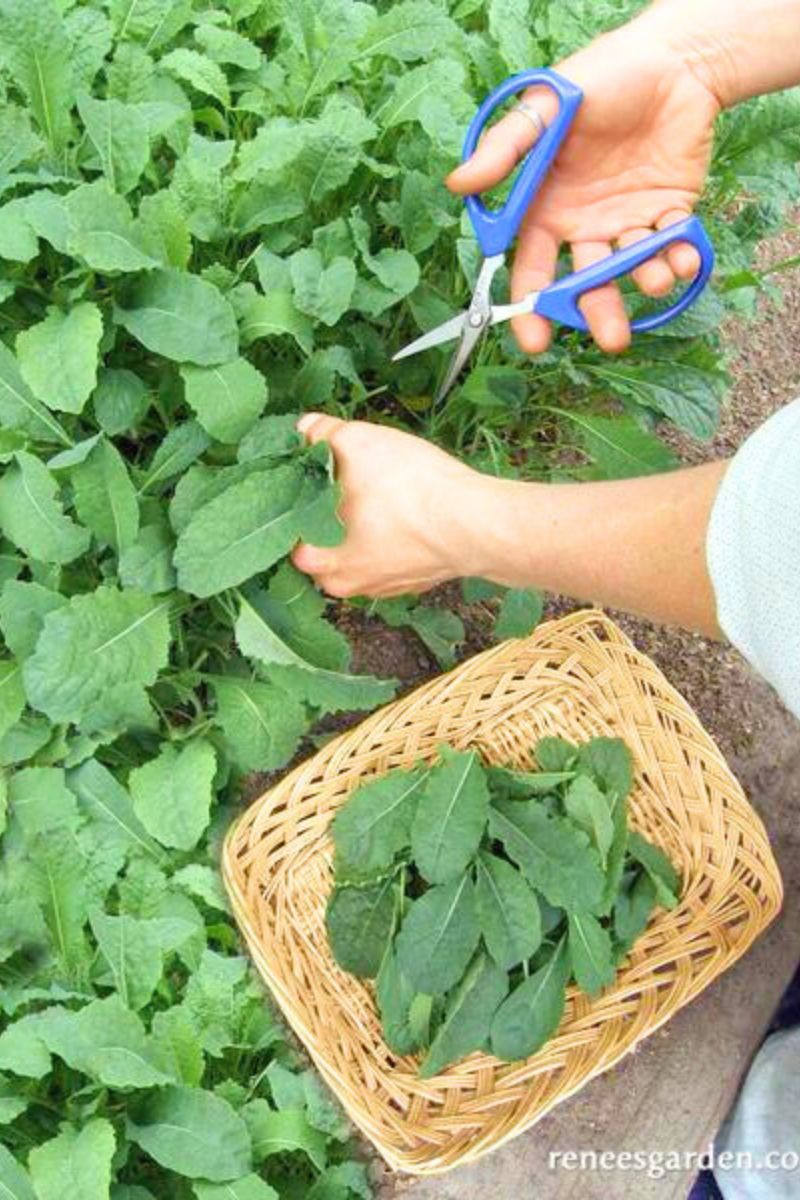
735 50
495 535
696 35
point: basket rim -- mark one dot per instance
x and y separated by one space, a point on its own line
591 620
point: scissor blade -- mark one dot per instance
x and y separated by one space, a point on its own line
434 337
470 335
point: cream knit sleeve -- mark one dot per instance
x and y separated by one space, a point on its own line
753 552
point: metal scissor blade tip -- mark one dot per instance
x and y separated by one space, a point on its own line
470 336
406 352
434 337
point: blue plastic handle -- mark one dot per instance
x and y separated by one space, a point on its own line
496 230
559 301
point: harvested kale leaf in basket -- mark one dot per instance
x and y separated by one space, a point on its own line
473 894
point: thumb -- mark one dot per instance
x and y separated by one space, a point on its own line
502 146
317 427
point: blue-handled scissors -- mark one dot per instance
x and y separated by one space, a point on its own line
496 230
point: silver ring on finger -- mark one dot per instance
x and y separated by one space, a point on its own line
529 110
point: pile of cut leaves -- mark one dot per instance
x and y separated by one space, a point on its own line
474 894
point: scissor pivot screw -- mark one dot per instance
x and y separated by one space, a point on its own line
476 319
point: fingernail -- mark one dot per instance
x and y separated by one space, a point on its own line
306 421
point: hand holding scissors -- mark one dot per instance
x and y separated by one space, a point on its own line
495 231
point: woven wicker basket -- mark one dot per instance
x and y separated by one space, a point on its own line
579 676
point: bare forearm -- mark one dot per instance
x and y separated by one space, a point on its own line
742 48
636 544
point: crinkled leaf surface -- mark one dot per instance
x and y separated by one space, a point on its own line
322 291
375 823
589 809
283 629
58 357
32 516
261 723
555 857
76 1162
102 230
530 1015
655 862
20 409
508 911
281 1132
227 399
107 802
250 526
395 995
105 498
37 53
120 136
609 762
633 908
102 640
590 952
120 400
12 694
105 1040
520 613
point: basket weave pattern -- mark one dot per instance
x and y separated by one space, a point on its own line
578 677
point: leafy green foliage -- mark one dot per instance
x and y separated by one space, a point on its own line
553 853
438 936
530 1015
451 816
213 216
473 894
438 628
508 911
467 1019
359 922
252 524
193 1132
376 823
